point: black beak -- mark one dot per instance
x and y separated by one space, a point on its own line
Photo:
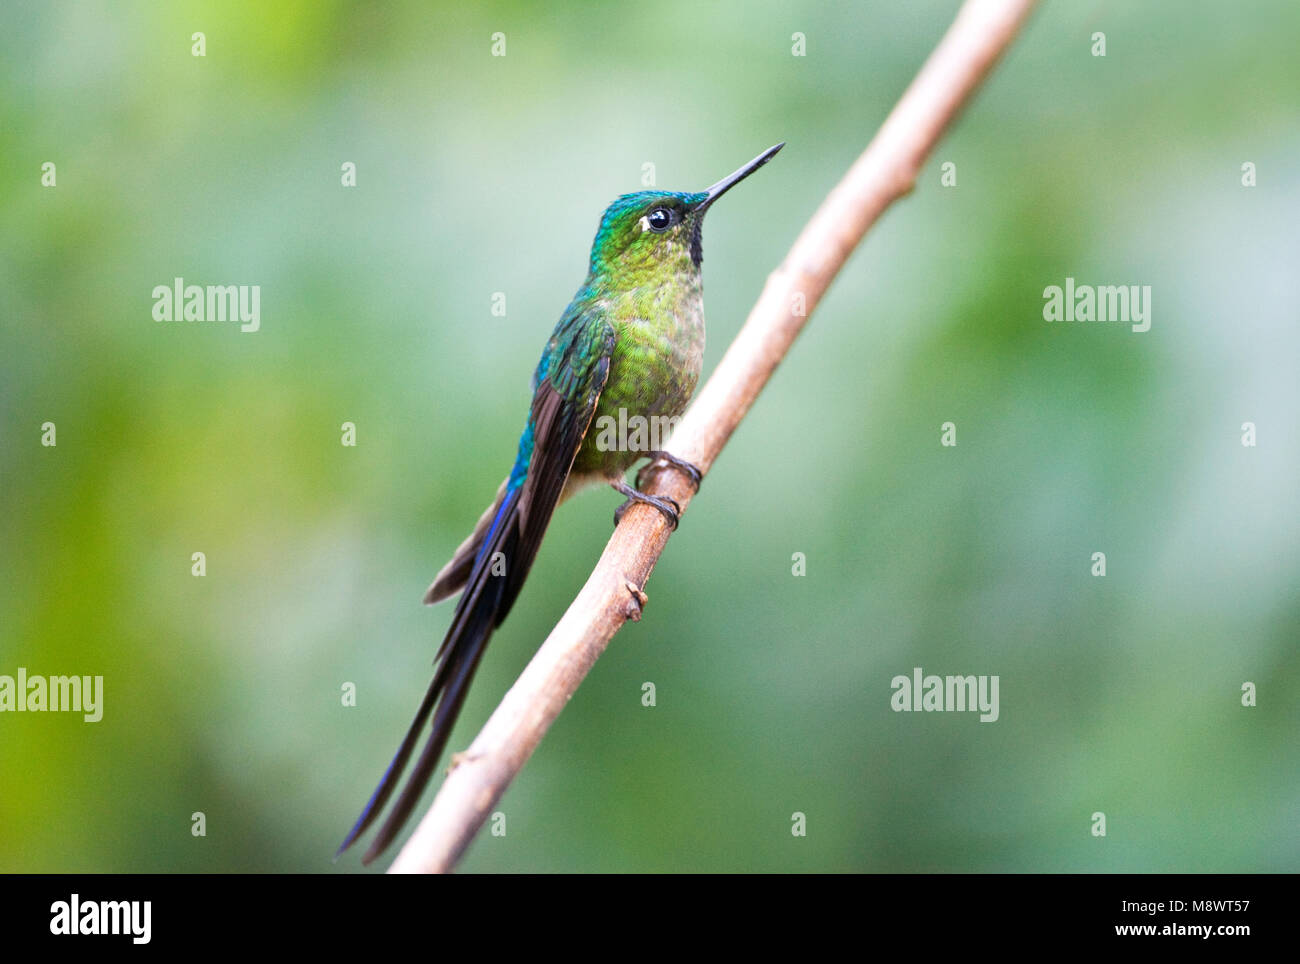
731 180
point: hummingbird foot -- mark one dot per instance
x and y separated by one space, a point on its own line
688 469
669 507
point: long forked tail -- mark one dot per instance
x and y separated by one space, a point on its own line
484 603
567 387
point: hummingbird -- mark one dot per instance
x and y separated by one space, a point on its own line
630 341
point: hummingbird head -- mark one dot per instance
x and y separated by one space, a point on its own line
660 227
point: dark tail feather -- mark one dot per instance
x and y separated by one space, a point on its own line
395 768
453 576
478 612
461 664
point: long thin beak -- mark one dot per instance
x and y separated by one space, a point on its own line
731 180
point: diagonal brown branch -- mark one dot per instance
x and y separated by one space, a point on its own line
612 595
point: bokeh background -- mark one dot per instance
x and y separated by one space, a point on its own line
480 174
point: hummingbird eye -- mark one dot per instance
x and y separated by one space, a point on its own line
660 219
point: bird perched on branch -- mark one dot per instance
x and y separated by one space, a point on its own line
630 344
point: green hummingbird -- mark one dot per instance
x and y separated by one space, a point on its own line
631 343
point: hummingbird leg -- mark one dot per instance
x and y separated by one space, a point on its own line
688 469
669 507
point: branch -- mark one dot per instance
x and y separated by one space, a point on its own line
613 594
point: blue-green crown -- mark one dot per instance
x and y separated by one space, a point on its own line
622 218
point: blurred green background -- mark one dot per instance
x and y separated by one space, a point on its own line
479 174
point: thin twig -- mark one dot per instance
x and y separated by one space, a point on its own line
613 594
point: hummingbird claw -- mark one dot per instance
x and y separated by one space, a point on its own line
689 469
670 508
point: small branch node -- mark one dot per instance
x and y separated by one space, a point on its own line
634 606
